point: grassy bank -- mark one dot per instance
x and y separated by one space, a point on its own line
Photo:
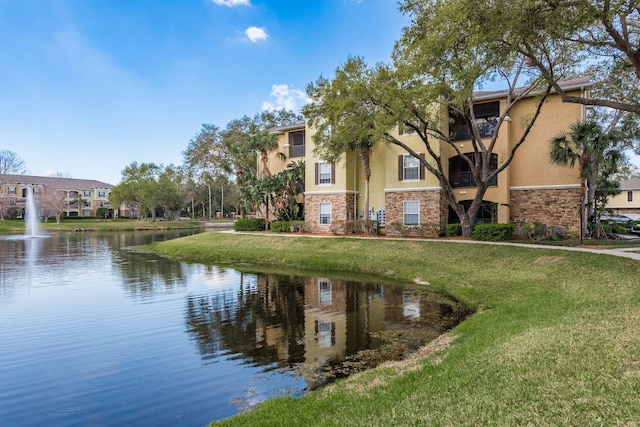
18 226
555 340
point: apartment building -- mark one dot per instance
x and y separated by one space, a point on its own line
80 197
531 189
628 201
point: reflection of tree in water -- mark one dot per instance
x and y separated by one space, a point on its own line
147 274
350 326
262 322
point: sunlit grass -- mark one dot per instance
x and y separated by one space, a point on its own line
555 339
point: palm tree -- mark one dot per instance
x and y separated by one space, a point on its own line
263 143
588 145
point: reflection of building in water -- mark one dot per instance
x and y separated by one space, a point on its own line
309 324
337 318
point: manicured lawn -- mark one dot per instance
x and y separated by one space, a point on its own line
555 339
17 226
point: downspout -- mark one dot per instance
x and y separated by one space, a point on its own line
355 201
583 108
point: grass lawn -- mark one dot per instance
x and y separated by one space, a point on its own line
18 226
555 339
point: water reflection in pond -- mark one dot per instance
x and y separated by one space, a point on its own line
96 334
282 321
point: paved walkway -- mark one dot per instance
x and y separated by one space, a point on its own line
631 252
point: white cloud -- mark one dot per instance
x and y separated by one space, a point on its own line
256 34
285 97
232 3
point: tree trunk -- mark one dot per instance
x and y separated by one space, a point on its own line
591 194
365 153
210 205
584 197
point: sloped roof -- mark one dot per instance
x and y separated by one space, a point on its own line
571 84
630 184
286 128
55 182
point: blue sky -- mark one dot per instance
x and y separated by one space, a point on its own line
89 86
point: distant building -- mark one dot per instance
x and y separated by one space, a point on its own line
82 197
628 201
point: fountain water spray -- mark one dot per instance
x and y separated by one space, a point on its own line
31 216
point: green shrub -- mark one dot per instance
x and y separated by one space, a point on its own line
103 213
280 226
249 224
14 213
453 230
493 232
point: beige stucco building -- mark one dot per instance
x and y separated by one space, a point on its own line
402 192
92 194
628 201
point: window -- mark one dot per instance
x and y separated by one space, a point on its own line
12 190
100 193
324 292
296 144
409 168
324 173
36 191
486 118
87 193
460 174
629 196
325 213
487 214
411 212
411 304
325 333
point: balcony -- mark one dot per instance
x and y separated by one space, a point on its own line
296 151
466 179
461 132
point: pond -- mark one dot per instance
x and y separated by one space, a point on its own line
92 333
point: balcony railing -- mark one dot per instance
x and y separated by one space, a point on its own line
296 151
461 132
466 179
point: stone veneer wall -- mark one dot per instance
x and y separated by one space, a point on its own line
433 207
341 206
554 207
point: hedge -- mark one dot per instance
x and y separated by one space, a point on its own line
249 224
493 232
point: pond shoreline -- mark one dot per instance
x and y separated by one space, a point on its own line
538 312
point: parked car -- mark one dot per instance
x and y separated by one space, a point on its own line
623 220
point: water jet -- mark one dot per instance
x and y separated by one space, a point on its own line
31 216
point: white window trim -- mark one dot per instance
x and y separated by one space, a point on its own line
404 213
630 193
404 157
320 213
323 184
